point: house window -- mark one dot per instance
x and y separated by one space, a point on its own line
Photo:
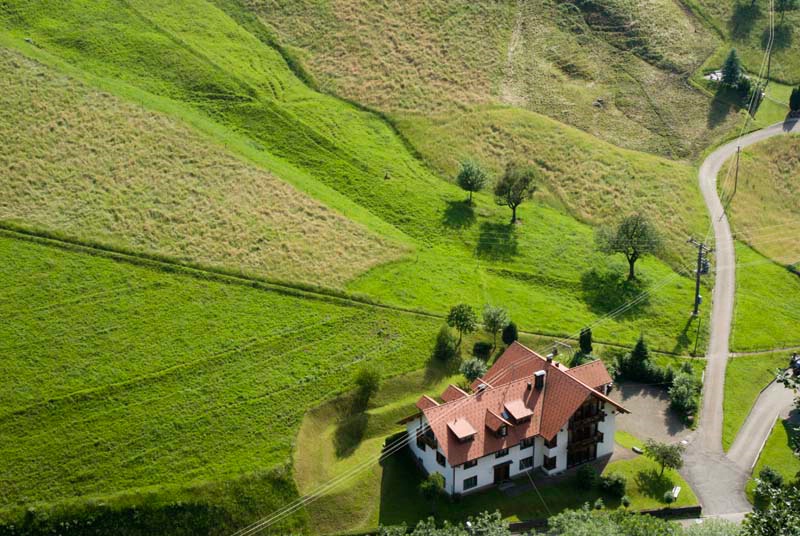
440 459
471 463
549 463
552 443
526 463
420 441
501 453
526 443
470 482
503 431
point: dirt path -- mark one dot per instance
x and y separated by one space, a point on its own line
719 480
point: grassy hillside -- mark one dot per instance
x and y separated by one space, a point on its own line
745 26
121 377
194 60
767 312
764 209
84 163
615 68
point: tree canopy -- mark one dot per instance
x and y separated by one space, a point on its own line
494 320
794 100
473 368
732 69
471 177
515 186
666 455
463 318
634 237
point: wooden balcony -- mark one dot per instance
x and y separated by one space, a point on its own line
577 422
585 441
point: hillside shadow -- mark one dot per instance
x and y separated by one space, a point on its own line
351 425
743 19
721 106
497 242
782 39
604 292
458 215
653 485
436 369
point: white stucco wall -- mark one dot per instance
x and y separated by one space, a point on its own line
559 451
428 456
608 426
485 468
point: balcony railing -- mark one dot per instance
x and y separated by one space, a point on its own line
585 441
577 422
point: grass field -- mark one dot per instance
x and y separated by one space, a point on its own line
778 453
90 165
745 377
775 107
134 378
764 209
616 69
547 261
767 310
333 439
745 26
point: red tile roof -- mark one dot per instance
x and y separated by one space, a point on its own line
426 402
518 410
462 428
550 408
453 392
593 374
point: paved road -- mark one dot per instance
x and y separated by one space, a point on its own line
717 479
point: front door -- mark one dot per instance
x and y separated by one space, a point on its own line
501 472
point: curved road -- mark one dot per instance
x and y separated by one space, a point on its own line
719 480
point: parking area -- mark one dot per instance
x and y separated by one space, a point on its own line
650 417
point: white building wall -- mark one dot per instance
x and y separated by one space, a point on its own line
608 426
559 452
428 457
485 468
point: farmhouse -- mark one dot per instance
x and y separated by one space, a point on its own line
526 412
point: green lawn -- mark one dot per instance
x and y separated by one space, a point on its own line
122 377
333 438
626 440
778 453
775 107
767 310
745 377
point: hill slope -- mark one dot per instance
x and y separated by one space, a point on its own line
614 68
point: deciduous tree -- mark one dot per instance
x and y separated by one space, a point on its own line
666 455
473 368
471 178
585 341
515 186
494 320
634 237
463 318
510 333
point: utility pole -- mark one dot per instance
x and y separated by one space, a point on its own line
702 264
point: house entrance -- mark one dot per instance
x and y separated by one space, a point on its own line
502 472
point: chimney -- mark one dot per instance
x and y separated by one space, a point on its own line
538 378
549 359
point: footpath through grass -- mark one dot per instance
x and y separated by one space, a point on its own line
745 378
123 378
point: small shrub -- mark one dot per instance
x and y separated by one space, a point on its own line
446 345
510 333
473 368
669 498
432 487
614 484
368 381
686 368
771 476
626 501
598 504
482 350
586 477
683 394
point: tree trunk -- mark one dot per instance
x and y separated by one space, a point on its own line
470 197
662 472
514 214
631 272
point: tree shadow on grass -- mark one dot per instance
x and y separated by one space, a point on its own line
604 292
782 39
743 19
723 103
351 425
437 369
497 242
652 485
458 215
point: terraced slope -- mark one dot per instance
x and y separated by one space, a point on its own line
123 378
83 163
614 68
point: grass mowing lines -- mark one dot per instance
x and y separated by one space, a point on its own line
147 177
745 378
767 310
123 422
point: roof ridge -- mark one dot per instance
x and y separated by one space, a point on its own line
594 361
591 389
